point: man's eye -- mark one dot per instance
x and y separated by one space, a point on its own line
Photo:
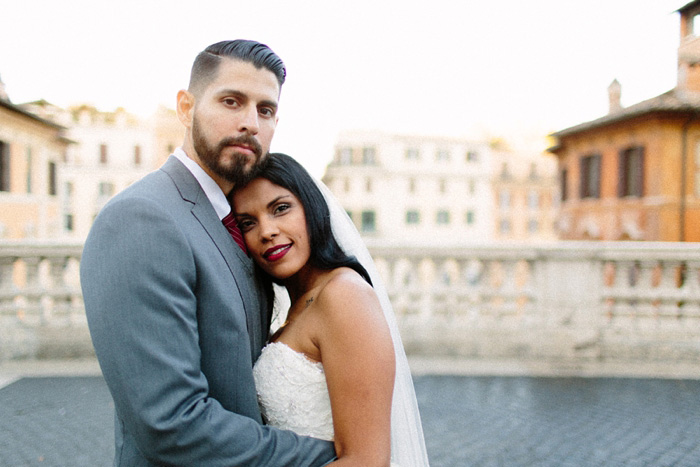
230 101
266 112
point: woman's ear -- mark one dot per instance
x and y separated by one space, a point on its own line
185 107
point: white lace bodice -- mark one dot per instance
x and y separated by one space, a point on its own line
292 392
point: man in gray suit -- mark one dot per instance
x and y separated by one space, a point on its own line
176 312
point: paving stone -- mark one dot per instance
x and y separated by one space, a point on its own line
468 421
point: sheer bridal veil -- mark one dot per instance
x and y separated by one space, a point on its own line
407 442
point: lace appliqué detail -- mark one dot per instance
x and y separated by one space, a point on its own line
292 392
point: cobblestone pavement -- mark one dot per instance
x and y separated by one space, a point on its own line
468 421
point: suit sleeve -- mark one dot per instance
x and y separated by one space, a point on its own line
138 276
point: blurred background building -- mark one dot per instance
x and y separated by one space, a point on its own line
634 174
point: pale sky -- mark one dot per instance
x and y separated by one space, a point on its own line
513 69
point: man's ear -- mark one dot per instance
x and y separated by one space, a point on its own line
185 107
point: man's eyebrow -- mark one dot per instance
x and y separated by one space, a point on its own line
242 95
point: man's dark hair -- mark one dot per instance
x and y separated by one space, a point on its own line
207 63
286 172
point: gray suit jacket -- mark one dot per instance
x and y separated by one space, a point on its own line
178 318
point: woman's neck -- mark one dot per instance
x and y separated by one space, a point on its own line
303 281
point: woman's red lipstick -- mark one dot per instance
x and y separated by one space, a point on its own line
276 252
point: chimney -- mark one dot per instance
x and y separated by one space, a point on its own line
614 94
689 49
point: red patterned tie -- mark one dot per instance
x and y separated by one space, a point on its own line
232 227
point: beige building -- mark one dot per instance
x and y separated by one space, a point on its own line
31 152
525 189
111 151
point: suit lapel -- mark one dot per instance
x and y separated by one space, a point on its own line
240 266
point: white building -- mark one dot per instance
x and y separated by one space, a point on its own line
414 190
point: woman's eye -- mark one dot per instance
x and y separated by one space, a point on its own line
282 208
245 225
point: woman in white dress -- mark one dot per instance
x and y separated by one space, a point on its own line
336 368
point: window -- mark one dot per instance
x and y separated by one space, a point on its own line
470 217
368 156
68 222
103 153
631 172
52 178
590 176
411 185
137 155
533 175
471 186
505 171
29 170
346 184
533 199
412 217
105 189
345 156
68 194
412 154
533 226
349 213
697 169
563 184
443 217
368 222
368 185
504 199
442 185
442 155
4 166
472 156
504 226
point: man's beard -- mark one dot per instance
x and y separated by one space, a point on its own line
211 156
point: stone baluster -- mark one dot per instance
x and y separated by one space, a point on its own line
644 292
508 289
670 294
58 291
33 311
690 309
8 290
623 312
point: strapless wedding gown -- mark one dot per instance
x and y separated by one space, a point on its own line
292 392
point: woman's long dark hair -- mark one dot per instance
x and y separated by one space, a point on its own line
286 172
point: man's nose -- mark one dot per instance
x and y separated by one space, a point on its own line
249 120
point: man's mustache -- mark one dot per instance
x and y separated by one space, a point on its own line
245 140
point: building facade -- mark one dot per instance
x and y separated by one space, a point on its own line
525 193
413 190
634 174
111 150
31 152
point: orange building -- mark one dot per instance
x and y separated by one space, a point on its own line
634 174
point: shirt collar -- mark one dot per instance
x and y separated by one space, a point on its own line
216 197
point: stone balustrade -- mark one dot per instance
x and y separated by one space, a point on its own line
41 309
566 301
